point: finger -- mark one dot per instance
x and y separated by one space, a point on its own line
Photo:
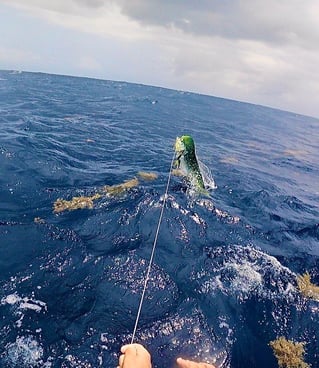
182 363
124 348
132 349
121 360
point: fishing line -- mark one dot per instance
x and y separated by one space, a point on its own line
153 251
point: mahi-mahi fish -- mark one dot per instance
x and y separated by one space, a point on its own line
186 162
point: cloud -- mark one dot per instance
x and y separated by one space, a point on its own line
272 21
94 17
91 3
285 21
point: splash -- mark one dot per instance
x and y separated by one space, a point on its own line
207 176
288 353
242 271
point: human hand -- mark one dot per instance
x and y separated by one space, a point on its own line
134 356
184 363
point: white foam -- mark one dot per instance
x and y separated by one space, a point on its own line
31 306
247 276
76 362
25 352
244 271
10 299
207 176
24 303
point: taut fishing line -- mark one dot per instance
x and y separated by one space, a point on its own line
153 250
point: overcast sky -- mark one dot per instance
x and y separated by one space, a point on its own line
263 52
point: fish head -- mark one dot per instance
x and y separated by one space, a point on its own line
184 144
179 146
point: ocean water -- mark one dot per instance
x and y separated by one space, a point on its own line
223 282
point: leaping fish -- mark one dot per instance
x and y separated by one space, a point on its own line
186 162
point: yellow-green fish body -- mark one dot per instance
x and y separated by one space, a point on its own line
186 161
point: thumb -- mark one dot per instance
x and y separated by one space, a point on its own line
124 348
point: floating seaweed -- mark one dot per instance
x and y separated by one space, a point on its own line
75 203
147 175
82 202
289 354
307 288
120 188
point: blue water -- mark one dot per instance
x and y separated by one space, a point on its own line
223 283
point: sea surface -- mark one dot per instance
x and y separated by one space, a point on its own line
223 281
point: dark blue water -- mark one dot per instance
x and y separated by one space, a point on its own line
223 283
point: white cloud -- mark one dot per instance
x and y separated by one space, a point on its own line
106 21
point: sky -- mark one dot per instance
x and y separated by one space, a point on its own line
262 52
